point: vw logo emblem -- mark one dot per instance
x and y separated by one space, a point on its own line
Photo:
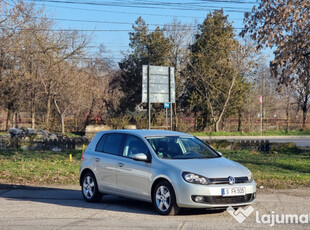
231 180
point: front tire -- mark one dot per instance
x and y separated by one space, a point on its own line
90 188
164 199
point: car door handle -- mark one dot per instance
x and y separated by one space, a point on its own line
97 159
120 164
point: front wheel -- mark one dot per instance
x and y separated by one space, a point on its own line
90 188
164 199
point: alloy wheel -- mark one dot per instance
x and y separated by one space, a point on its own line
88 187
163 198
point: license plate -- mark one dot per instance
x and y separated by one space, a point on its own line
235 191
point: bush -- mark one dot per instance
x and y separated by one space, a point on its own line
141 122
285 148
119 122
220 144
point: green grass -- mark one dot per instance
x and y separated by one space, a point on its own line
286 168
39 167
283 169
265 133
72 135
3 133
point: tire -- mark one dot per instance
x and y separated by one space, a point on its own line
90 188
164 199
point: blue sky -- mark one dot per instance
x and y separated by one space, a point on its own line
112 20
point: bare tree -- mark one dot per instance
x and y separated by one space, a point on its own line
180 36
284 25
11 76
57 48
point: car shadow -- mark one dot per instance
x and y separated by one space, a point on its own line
74 198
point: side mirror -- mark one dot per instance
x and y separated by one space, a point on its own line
140 157
221 154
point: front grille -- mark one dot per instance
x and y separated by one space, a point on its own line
228 199
238 180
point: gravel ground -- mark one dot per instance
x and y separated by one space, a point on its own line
62 207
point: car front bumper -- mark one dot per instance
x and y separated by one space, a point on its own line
212 195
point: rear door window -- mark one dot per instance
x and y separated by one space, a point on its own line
113 143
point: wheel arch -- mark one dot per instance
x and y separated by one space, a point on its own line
86 170
159 179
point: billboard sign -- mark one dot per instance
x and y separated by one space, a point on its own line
158 83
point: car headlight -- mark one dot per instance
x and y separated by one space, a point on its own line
195 178
250 177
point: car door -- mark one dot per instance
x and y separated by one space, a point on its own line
108 153
133 177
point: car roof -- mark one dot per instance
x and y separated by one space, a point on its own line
147 132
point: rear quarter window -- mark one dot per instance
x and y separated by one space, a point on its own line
99 146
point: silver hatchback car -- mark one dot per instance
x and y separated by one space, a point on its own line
171 169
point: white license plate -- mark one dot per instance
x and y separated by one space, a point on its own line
235 191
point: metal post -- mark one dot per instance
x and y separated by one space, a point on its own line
261 118
148 97
170 104
167 118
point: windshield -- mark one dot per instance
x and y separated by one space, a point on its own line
180 147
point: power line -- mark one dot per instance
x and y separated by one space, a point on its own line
87 30
125 12
228 1
120 12
105 22
149 5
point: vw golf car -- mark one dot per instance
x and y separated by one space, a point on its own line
172 170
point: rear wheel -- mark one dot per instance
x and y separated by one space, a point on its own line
164 199
90 188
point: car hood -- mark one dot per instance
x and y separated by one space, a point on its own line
213 168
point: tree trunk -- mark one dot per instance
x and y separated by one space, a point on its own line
14 120
217 121
176 119
195 121
33 116
287 115
304 118
304 112
216 125
239 120
48 112
62 116
8 118
62 123
87 121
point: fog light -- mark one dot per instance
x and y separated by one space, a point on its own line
199 199
254 195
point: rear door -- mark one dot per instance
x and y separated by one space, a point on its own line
108 153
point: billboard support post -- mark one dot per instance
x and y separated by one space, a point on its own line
169 79
148 98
